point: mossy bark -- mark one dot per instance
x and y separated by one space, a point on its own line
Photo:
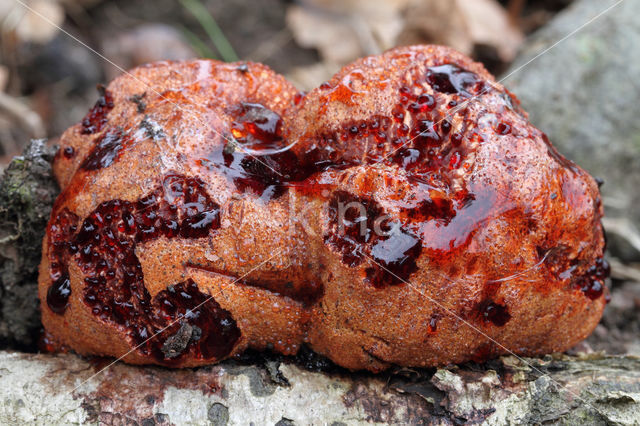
27 192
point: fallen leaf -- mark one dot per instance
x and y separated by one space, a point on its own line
4 77
39 24
143 44
345 30
348 29
311 76
463 25
489 23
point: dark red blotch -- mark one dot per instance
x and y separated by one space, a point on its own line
96 118
452 79
359 230
106 150
493 312
592 282
104 248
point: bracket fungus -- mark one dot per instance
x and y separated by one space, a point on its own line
405 212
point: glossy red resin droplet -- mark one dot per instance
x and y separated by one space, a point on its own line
358 232
503 129
69 152
452 79
495 313
106 150
96 118
59 234
433 323
58 294
255 159
592 282
298 98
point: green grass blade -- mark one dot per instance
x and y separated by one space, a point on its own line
198 45
212 29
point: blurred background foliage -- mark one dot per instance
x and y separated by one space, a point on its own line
48 79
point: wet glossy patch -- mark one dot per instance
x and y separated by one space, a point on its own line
96 118
104 245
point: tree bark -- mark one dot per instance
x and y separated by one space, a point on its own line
66 389
27 192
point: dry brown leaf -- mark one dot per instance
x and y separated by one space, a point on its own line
4 77
461 24
489 23
335 41
345 30
39 24
435 22
144 44
78 3
311 76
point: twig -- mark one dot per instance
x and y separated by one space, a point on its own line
623 228
624 272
